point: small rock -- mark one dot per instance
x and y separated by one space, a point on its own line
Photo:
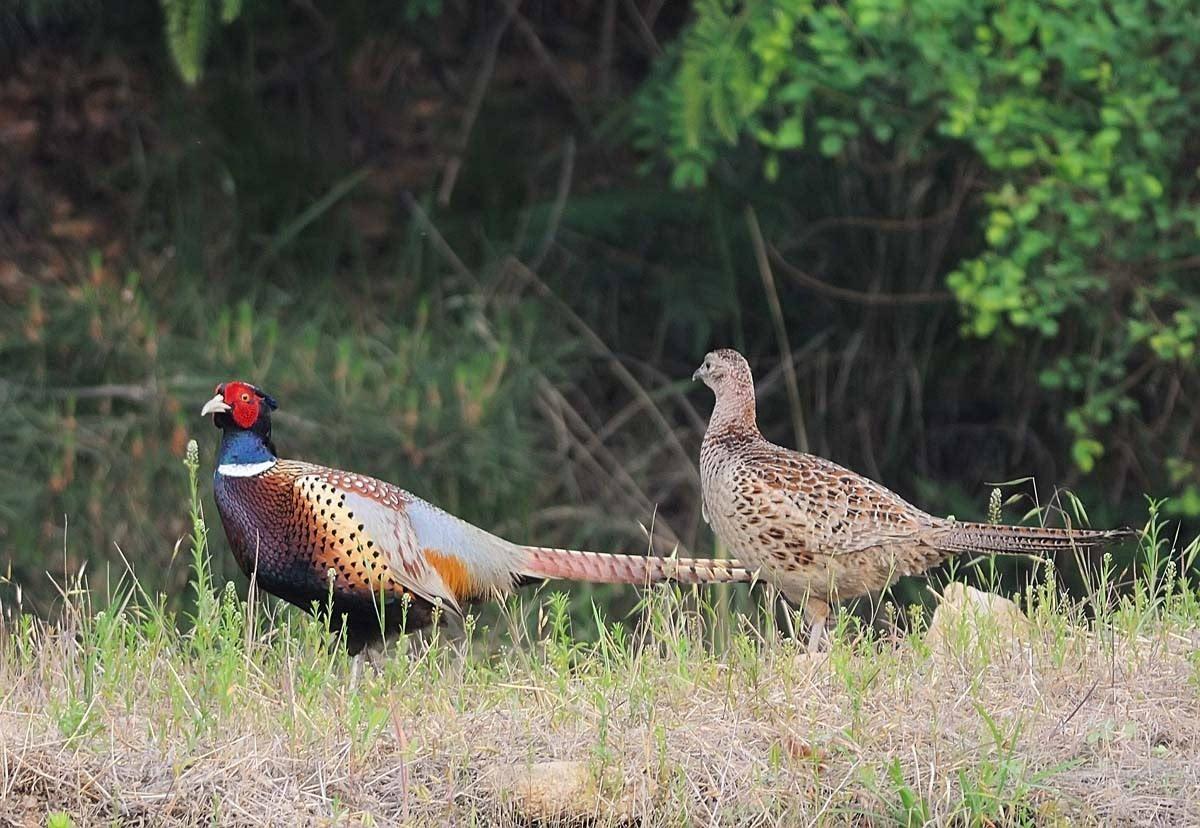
968 615
809 664
560 791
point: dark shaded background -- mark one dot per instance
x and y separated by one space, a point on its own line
442 243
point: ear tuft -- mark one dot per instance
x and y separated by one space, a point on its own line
270 401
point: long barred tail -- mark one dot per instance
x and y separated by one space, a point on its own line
597 567
985 537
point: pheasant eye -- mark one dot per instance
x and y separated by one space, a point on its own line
245 397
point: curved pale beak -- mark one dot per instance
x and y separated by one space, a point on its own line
698 374
216 405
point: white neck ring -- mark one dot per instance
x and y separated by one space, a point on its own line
244 469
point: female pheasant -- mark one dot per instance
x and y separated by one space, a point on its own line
821 532
382 557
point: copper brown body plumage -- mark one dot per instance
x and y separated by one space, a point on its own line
378 557
821 532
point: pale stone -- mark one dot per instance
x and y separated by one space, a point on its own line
966 615
565 791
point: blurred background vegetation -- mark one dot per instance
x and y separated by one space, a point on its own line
477 249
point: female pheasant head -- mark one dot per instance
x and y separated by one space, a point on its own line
243 413
727 373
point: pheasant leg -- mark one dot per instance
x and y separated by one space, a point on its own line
816 613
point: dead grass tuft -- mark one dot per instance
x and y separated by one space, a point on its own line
1080 725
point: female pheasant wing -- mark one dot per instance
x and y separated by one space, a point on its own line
368 521
837 511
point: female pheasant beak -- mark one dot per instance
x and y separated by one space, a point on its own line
216 405
701 372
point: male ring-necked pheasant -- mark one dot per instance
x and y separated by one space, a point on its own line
819 531
383 557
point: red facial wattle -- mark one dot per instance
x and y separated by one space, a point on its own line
243 403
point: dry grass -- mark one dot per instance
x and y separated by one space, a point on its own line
1077 727
244 718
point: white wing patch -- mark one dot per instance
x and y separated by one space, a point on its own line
490 559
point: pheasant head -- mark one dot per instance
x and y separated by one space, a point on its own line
243 413
727 373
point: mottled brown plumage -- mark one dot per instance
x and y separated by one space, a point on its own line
819 531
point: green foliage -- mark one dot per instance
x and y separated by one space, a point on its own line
261 230
188 26
1081 114
905 805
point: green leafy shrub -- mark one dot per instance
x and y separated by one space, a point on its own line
1080 114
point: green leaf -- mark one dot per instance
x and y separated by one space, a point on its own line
187 28
230 10
1085 452
771 167
790 134
832 144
